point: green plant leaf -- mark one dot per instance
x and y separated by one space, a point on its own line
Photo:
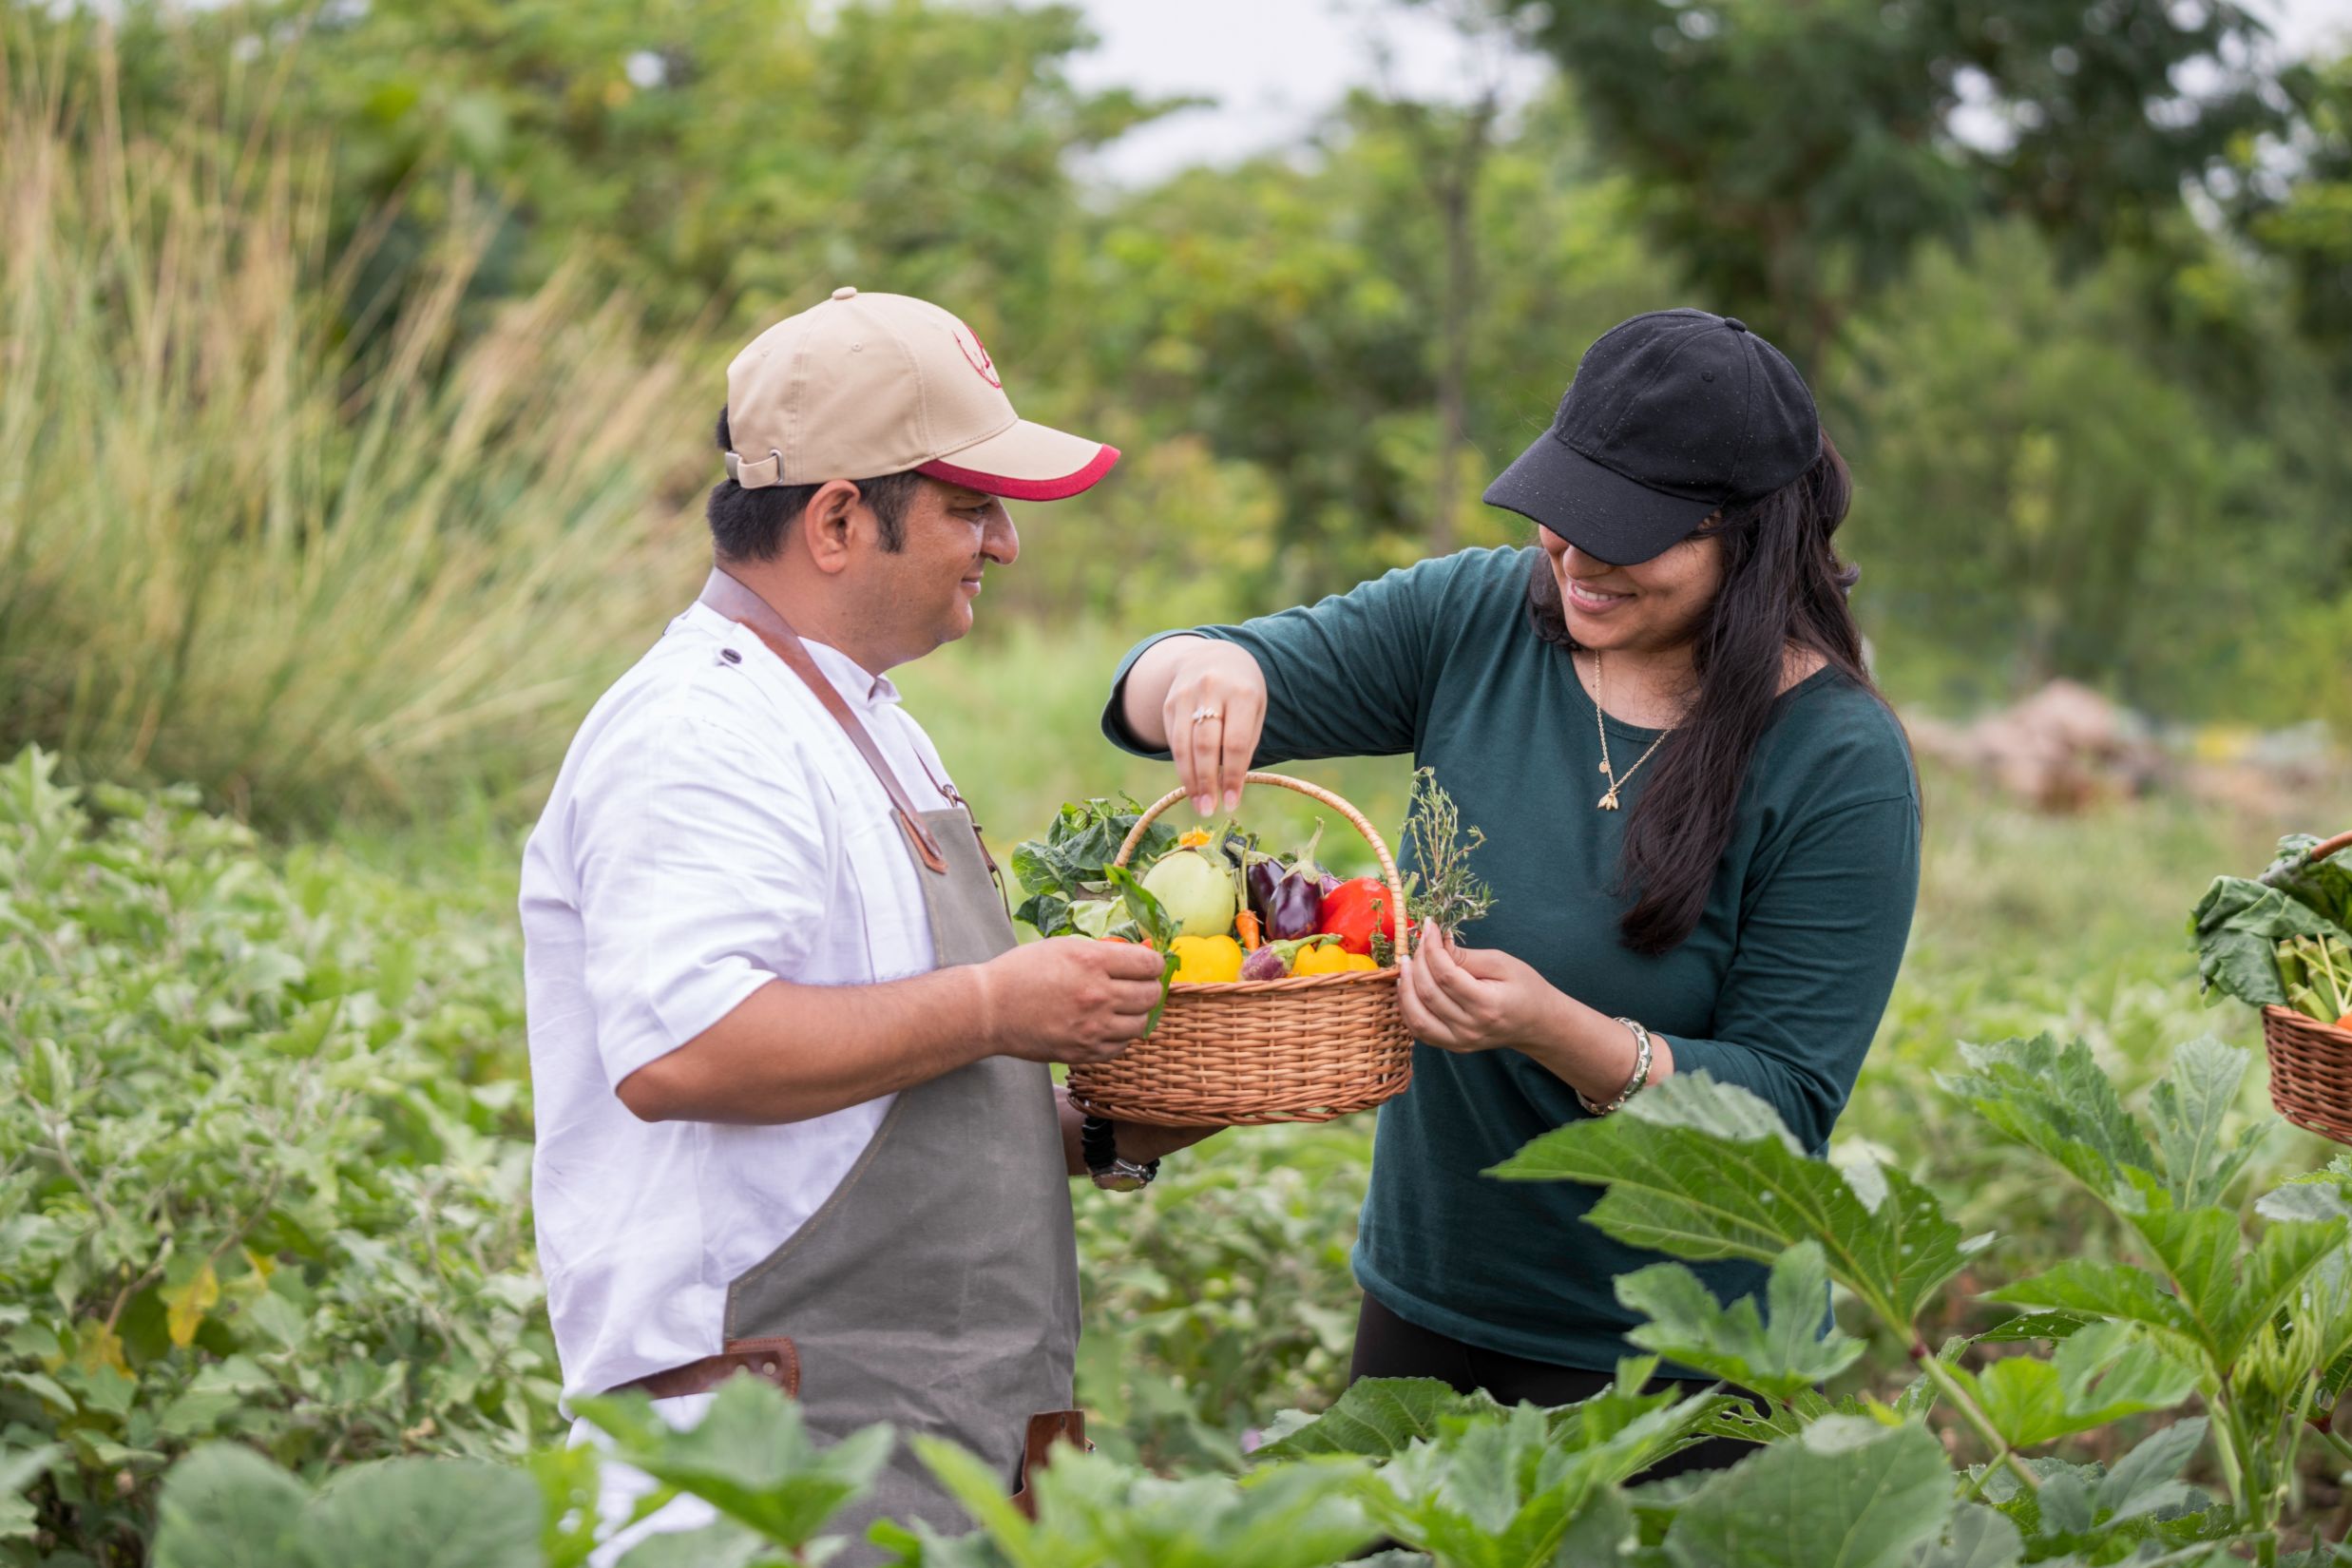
722 1543
2188 1107
1699 1169
750 1458
2083 1288
1980 1537
1847 1493
2098 1376
17 1472
2145 1479
224 1506
1780 1358
1094 1511
2237 926
2229 1292
2055 1098
1375 1418
1494 1494
424 1513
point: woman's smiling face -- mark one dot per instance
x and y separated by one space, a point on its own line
1649 608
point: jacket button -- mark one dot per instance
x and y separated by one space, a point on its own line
731 655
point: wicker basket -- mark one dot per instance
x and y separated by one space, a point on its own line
1248 1052
2310 1062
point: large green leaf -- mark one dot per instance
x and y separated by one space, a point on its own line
2100 1375
224 1506
1699 1169
2237 926
17 1472
1497 1495
1780 1358
2324 886
1847 1493
2055 1098
424 1513
1095 1513
2188 1107
1375 1418
1980 1537
750 1458
2146 1479
2229 1292
2083 1288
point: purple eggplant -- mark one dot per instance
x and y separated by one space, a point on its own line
1265 964
1287 899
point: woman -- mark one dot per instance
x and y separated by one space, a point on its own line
1702 827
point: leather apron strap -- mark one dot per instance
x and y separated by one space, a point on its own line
740 604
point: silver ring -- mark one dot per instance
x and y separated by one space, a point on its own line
1199 714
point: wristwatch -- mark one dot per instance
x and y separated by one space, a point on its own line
1097 1141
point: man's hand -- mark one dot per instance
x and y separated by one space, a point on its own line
1068 999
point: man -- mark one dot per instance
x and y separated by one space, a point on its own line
794 1113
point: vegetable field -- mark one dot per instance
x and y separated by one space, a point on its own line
361 363
266 1292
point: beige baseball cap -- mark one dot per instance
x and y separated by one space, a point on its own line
869 384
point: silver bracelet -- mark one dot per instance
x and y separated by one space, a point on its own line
1634 1084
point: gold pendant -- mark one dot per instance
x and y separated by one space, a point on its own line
1609 801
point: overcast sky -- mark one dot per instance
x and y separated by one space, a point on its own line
1277 65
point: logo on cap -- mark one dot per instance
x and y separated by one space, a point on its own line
976 354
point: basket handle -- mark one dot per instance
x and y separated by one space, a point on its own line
2326 847
1312 791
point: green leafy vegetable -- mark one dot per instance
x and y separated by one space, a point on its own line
1068 866
1160 928
2285 939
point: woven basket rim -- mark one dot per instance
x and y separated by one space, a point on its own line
2304 1022
1288 984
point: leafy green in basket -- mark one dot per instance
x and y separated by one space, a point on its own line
2280 940
1160 928
1063 872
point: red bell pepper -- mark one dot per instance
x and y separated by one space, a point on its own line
1357 907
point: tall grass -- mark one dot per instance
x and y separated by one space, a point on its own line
313 552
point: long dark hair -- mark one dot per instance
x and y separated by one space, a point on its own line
1783 585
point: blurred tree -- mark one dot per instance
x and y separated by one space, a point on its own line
753 152
2041 495
1793 156
1450 141
2294 194
1288 311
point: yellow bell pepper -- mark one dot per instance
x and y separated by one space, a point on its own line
1329 957
1206 960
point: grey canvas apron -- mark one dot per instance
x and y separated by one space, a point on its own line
937 1288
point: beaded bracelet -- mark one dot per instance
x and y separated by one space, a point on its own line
1634 1084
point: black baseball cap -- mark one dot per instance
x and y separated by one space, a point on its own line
1671 415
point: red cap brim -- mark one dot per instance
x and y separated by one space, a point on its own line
1060 488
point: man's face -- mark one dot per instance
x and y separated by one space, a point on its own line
921 594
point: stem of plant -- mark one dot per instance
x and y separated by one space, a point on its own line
1941 1377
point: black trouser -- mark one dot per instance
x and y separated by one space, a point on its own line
1386 1346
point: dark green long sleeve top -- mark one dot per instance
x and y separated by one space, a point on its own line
1779 989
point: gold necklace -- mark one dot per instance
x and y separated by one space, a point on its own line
1609 801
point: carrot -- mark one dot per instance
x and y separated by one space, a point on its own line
1246 923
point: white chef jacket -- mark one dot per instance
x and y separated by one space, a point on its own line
712 829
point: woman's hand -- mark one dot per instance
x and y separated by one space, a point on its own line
1472 999
1212 715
